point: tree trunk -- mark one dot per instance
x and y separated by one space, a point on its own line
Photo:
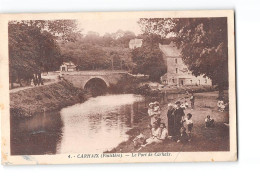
12 84
112 63
19 81
220 92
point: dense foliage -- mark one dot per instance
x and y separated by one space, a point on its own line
203 42
111 51
93 51
148 59
33 47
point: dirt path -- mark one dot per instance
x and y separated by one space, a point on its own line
30 87
204 139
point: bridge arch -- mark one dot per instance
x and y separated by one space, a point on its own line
96 85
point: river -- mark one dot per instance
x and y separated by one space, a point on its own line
97 125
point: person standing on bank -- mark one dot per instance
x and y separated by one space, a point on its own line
178 119
170 116
192 101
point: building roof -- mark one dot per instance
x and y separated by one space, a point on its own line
164 76
68 63
170 50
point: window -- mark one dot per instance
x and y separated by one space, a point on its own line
176 61
190 81
206 80
173 80
176 70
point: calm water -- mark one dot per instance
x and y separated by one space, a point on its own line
97 125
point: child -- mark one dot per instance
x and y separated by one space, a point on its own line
186 103
155 134
209 122
154 118
150 109
183 106
192 101
183 138
221 105
189 124
139 139
156 108
156 112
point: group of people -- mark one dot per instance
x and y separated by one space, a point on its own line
36 80
179 125
158 131
177 122
221 105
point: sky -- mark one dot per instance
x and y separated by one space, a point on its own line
103 26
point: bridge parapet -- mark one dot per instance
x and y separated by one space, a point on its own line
81 78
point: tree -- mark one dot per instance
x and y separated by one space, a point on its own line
33 46
92 38
203 43
121 57
125 38
148 59
63 30
111 51
22 52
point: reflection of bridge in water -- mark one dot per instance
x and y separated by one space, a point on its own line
95 80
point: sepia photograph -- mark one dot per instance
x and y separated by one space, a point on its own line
119 87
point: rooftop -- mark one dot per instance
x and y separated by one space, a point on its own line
170 50
68 63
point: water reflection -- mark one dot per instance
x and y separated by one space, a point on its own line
37 135
96 125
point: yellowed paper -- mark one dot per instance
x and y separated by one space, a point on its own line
61 123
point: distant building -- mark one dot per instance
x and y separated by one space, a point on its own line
135 43
68 66
177 72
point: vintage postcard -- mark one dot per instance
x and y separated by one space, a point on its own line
118 87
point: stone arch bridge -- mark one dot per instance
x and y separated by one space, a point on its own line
83 79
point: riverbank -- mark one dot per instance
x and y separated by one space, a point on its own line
28 102
204 139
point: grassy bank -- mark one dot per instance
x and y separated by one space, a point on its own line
28 102
204 139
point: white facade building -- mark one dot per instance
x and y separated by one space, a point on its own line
68 66
177 72
135 43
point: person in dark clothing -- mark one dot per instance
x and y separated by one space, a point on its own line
183 138
189 124
170 116
35 79
209 122
192 100
178 119
40 82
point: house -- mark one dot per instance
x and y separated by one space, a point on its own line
164 79
135 43
177 72
68 66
